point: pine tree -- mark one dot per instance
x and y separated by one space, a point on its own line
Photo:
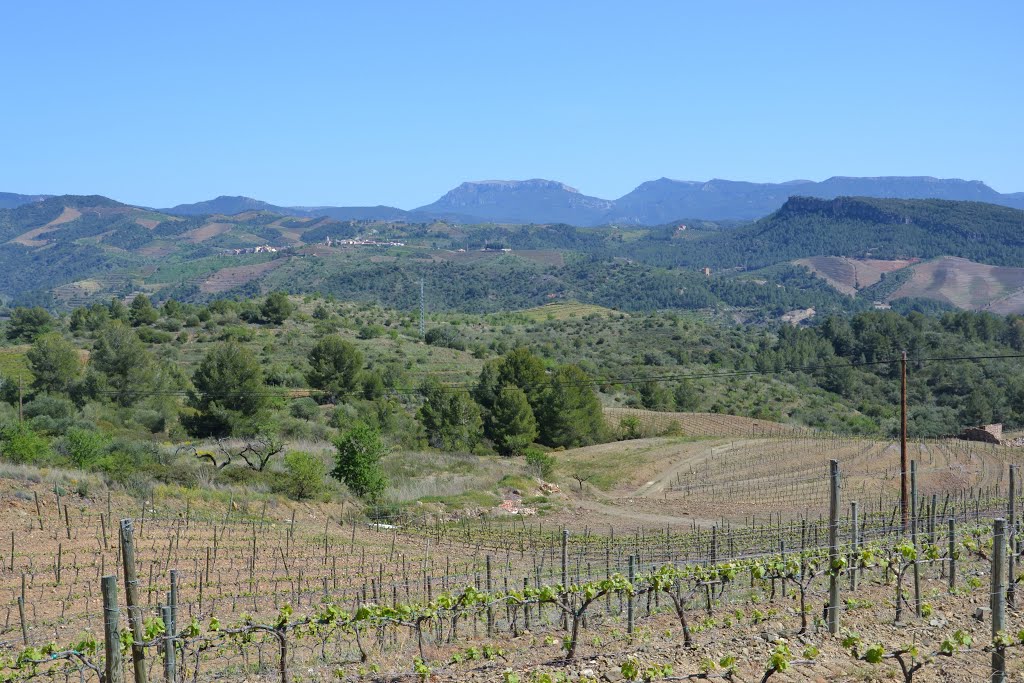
142 312
55 364
229 390
570 413
450 418
335 365
513 426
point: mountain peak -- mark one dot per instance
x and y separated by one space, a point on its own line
226 205
533 183
521 201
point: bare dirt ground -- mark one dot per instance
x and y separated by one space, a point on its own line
28 239
229 278
672 480
851 275
966 284
246 555
205 232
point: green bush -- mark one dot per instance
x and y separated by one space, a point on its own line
370 331
360 450
304 476
19 443
151 336
83 447
542 464
51 406
629 427
304 408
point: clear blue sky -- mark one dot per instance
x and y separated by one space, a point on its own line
349 103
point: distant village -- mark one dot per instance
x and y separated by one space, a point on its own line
264 249
361 242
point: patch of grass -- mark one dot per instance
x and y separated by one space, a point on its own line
514 481
564 310
465 499
606 466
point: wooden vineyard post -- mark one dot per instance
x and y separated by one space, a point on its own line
1011 523
952 553
526 605
565 557
853 546
170 665
113 670
21 615
998 598
172 601
782 554
131 594
629 601
490 605
565 572
913 536
833 549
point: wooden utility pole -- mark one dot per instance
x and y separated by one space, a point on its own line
904 508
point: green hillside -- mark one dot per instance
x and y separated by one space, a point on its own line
65 251
875 228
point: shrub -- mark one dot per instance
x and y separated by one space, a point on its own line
446 336
630 427
304 476
152 420
151 336
19 443
51 406
83 447
360 450
304 408
543 464
44 424
370 331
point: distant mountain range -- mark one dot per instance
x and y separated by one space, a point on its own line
655 202
10 200
68 251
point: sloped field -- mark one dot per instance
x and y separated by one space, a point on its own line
966 284
654 423
28 239
562 311
226 279
850 275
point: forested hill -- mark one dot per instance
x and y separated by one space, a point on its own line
876 228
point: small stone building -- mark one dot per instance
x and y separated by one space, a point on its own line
987 433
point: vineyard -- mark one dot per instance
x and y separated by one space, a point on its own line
699 424
775 589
